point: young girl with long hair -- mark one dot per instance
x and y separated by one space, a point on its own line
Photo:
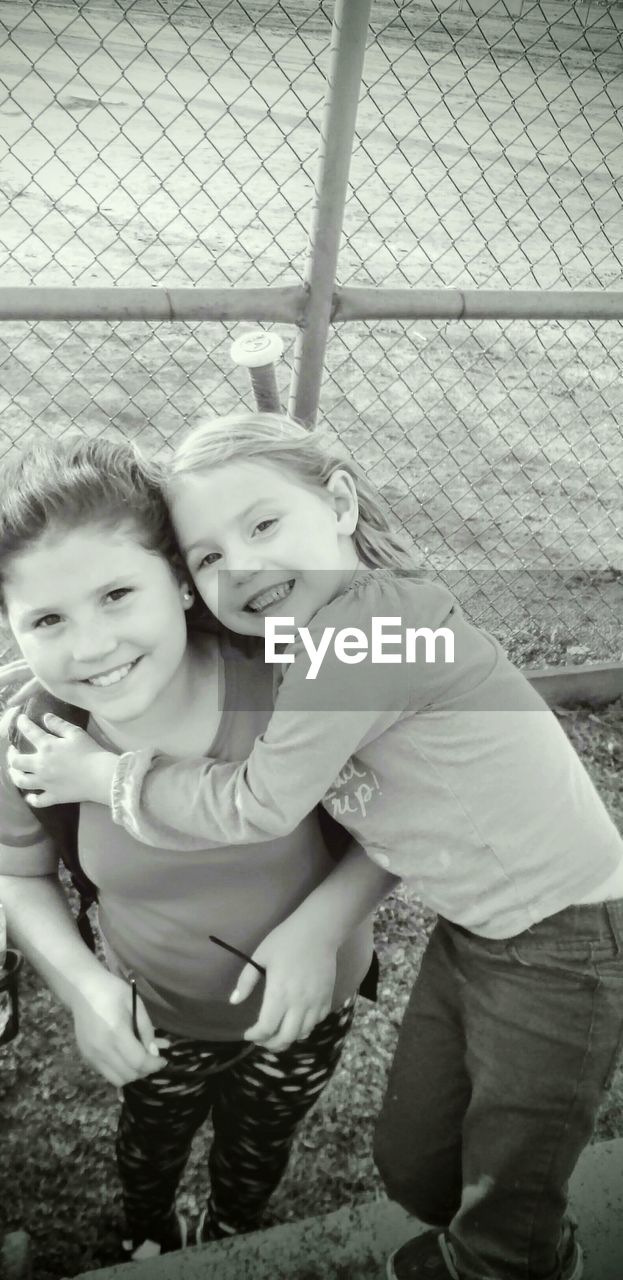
98 601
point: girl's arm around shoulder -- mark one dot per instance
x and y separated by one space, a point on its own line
327 707
337 694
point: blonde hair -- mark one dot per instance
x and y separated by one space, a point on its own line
308 455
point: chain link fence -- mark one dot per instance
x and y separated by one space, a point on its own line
174 142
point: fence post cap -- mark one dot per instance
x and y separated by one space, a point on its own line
256 349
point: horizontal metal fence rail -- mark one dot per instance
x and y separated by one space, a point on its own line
292 305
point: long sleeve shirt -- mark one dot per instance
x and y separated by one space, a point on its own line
449 769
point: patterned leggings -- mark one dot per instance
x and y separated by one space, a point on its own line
256 1105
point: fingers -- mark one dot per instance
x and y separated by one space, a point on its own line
22 778
61 728
146 1032
55 727
311 1021
37 736
127 1059
285 1035
120 1058
22 760
19 775
25 779
280 1023
106 1038
36 772
39 799
274 1008
247 983
116 1070
263 1031
277 1024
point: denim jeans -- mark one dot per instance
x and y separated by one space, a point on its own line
502 1060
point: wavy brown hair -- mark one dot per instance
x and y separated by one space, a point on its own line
66 484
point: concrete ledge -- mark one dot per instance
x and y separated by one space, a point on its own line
597 683
353 1244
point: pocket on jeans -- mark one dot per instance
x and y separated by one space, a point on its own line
573 957
607 956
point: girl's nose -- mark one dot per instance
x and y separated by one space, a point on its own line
92 641
242 575
246 563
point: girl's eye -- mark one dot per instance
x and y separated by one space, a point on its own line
207 560
118 593
48 620
265 524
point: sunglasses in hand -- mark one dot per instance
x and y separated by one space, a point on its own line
211 1067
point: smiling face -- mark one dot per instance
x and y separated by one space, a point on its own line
99 619
260 542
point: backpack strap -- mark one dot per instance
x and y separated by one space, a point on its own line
60 821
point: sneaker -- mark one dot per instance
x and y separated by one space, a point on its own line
430 1256
174 1236
570 1253
203 1234
208 1230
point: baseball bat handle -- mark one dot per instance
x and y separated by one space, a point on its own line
264 383
258 352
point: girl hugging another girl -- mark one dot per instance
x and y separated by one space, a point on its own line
451 772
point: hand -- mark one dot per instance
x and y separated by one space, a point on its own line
300 978
103 1025
65 765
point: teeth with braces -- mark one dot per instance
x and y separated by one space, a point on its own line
270 597
111 677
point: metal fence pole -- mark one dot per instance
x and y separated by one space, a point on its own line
348 44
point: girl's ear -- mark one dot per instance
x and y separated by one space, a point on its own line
187 594
343 492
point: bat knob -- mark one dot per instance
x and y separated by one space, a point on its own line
258 352
252 350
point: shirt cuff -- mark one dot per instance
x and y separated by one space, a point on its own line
125 791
